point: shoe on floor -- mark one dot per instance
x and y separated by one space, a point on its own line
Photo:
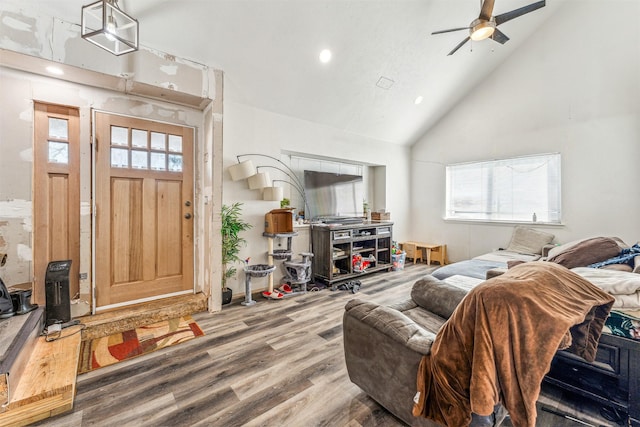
285 289
272 295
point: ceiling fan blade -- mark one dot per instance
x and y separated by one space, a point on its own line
499 36
459 46
450 30
507 16
487 10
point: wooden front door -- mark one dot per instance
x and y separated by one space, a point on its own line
144 209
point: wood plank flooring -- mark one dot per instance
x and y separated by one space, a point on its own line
277 363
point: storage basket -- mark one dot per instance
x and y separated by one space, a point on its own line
398 261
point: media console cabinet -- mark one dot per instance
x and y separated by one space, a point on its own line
338 248
613 380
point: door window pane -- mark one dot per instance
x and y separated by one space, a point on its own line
58 152
119 158
139 159
158 161
139 138
175 143
119 136
175 162
58 128
158 141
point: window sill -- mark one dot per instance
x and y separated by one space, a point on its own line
504 222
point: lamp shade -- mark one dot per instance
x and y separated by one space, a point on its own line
108 27
259 180
242 170
272 193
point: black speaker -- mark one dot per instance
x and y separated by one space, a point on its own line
57 292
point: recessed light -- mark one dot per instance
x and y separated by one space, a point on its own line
325 56
55 70
418 100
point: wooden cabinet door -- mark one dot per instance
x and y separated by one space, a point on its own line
144 210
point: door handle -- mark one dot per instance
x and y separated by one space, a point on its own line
187 216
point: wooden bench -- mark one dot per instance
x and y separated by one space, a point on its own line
47 385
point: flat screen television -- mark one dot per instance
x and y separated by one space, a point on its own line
333 196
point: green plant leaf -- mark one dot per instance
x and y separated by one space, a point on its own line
232 226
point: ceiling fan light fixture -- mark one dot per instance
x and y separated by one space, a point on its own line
481 29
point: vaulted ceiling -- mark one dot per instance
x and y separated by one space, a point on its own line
269 51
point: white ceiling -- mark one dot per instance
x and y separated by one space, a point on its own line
269 50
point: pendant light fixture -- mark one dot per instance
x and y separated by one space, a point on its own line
106 26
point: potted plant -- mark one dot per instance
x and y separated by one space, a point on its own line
232 225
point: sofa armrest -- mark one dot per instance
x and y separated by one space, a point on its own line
391 323
382 351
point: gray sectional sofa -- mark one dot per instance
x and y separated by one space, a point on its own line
383 345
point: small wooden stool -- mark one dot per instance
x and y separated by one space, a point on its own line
412 251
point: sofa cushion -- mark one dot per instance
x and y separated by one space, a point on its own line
428 320
529 241
584 252
392 323
437 296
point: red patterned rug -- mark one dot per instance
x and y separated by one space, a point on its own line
125 345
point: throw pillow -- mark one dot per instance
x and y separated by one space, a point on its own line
528 241
586 252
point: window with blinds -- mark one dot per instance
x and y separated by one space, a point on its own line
521 189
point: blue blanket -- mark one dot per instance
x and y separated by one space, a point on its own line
626 256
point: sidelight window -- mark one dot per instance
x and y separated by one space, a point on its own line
58 141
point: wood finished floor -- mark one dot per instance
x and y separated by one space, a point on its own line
278 363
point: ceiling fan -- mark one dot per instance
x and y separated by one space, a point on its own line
484 26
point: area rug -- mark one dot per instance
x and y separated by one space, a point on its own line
125 345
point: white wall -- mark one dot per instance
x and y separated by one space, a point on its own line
251 130
565 90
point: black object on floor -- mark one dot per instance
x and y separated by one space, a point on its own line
6 303
353 286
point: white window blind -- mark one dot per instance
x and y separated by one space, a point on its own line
506 190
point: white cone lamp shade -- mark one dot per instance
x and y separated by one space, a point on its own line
259 181
242 170
273 194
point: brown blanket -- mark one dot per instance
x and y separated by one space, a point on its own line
499 342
